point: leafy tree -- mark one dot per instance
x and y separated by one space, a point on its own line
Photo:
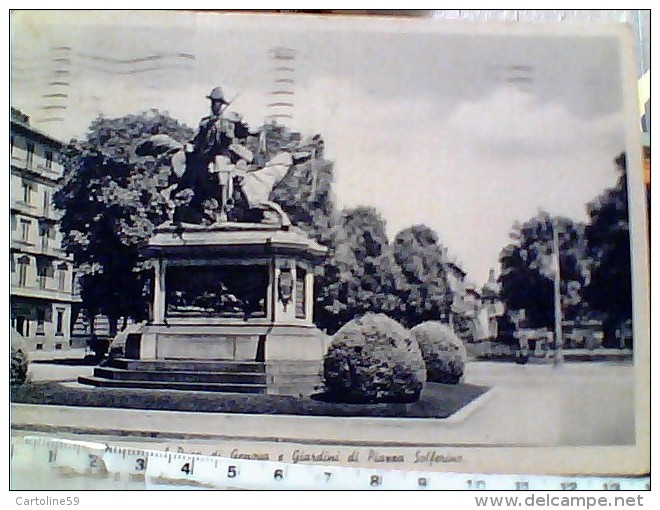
361 274
425 290
608 237
528 268
111 201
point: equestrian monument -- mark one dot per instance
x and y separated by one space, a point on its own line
233 286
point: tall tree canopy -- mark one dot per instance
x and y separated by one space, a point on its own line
361 273
111 202
426 294
608 237
528 268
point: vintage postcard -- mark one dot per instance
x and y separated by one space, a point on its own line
393 243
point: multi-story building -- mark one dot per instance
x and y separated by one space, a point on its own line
41 272
472 299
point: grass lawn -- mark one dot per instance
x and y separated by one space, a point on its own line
437 401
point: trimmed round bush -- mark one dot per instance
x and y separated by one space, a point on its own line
373 359
18 362
443 352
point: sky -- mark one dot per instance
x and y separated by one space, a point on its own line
466 131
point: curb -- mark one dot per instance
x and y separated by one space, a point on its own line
466 411
272 428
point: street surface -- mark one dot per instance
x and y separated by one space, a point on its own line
577 404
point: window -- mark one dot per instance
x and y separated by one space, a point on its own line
22 274
61 277
23 263
60 322
44 234
30 154
300 293
41 319
42 274
49 160
22 325
46 202
25 230
27 192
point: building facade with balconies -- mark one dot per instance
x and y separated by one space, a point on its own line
41 272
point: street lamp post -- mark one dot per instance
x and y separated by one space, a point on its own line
559 356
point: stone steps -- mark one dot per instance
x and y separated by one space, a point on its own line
186 375
180 376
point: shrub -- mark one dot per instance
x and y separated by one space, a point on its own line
18 363
373 359
443 352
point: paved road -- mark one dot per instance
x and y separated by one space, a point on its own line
534 405
574 404
54 372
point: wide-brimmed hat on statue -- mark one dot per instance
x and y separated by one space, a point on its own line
217 95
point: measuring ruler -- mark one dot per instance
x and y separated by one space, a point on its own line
159 469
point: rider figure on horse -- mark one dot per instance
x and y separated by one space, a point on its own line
210 152
216 177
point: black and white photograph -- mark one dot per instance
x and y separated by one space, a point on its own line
409 244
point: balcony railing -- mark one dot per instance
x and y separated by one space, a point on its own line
49 291
32 209
52 249
19 159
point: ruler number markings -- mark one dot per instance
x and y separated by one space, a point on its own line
187 468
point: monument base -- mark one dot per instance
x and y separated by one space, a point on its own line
289 356
232 310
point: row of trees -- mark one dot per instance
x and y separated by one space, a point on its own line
594 259
111 203
365 273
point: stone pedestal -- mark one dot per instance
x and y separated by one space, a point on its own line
236 292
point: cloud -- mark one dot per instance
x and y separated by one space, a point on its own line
513 123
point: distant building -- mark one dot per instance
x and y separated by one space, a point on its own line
41 272
472 299
460 310
492 305
456 283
